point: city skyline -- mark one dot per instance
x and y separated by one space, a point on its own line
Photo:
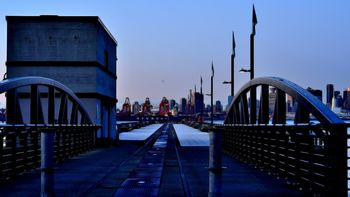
164 47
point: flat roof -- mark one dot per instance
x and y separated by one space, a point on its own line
62 18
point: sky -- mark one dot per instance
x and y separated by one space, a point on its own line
164 47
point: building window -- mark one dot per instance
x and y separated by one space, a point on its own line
106 58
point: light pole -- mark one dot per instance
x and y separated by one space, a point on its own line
215 140
233 55
211 93
253 89
202 102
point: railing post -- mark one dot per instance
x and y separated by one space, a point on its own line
47 163
215 164
337 150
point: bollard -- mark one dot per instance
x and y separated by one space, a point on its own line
47 163
215 163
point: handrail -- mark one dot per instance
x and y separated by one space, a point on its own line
302 96
14 83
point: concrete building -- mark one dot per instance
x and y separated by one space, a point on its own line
77 51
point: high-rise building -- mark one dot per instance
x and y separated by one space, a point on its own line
330 94
315 92
183 104
229 100
339 99
198 102
346 99
172 104
218 107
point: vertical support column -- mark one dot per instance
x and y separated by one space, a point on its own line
253 105
279 114
244 110
215 162
264 105
36 113
302 115
51 104
336 148
47 163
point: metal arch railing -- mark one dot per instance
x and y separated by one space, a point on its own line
13 108
310 156
20 138
307 103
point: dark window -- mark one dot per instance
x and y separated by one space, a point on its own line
106 58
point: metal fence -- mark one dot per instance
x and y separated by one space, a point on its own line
20 145
312 158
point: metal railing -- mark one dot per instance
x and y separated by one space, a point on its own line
20 145
45 121
313 158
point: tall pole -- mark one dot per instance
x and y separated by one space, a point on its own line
215 159
233 55
253 89
211 94
202 102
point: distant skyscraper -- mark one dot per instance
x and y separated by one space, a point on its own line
315 92
198 102
346 99
172 104
229 100
218 107
183 104
330 93
339 99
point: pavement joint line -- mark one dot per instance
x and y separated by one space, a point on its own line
135 154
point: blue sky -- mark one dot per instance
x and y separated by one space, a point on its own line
165 46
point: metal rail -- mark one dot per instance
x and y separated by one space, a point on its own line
311 157
20 145
20 136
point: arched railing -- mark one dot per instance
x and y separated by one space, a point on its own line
307 150
306 103
14 111
35 105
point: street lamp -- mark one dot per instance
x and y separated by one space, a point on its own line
227 82
243 70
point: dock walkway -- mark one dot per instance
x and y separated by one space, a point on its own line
189 136
114 170
140 134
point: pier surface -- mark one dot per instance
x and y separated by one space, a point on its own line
128 168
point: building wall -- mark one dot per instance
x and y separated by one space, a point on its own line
51 41
80 79
79 52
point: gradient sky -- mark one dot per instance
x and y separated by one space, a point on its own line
165 46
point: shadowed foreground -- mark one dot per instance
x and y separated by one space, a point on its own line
102 172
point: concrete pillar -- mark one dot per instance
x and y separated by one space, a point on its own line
215 163
47 163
